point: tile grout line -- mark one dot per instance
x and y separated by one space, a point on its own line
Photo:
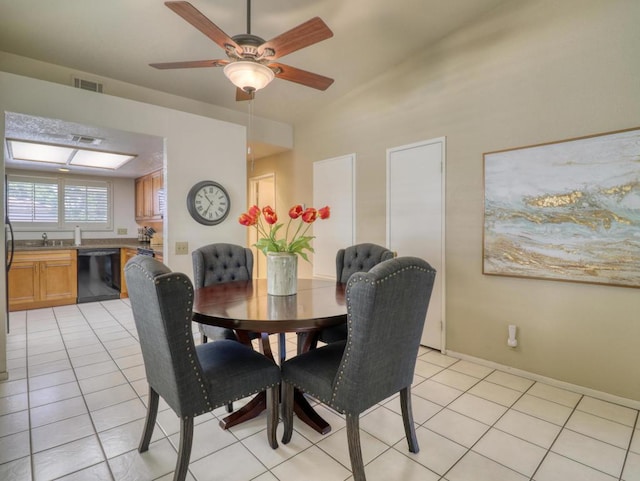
95 431
26 353
112 316
564 425
82 394
626 456
470 449
166 435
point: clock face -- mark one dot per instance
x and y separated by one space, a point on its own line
208 202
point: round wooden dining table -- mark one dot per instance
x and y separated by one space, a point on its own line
246 307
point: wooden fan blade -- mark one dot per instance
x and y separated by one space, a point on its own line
242 95
190 64
308 33
196 18
302 77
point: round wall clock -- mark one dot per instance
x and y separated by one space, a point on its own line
208 202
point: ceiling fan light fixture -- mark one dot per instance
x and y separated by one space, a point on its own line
248 75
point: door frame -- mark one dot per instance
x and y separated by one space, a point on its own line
442 273
252 236
346 166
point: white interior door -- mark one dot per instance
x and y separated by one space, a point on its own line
415 218
262 192
333 185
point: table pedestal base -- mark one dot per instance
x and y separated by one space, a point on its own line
253 408
301 406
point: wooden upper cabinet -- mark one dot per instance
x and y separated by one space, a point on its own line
139 198
149 190
157 194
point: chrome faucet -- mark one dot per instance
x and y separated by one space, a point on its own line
44 238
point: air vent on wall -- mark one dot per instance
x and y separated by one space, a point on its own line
86 84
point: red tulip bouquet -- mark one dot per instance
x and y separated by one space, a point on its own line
295 239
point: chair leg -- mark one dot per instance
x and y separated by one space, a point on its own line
152 412
287 411
203 338
184 451
355 451
407 419
230 407
273 398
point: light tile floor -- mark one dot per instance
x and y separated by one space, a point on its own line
74 405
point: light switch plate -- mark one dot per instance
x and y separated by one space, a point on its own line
182 248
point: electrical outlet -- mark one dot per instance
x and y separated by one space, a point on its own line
182 248
122 231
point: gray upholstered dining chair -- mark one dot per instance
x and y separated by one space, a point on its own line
386 309
359 258
356 258
191 379
217 263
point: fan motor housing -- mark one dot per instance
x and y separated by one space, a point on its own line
249 43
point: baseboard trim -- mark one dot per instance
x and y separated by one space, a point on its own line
630 403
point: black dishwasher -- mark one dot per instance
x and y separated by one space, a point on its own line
98 274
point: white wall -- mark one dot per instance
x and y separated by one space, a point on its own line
197 148
267 136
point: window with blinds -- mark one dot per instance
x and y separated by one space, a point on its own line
32 200
86 203
58 203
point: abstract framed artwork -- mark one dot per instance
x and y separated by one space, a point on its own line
566 210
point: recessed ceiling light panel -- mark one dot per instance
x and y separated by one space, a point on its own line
39 152
101 160
57 154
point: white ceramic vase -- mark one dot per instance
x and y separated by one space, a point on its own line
282 273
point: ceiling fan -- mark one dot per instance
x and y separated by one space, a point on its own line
251 61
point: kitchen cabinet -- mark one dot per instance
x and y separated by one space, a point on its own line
126 253
43 278
149 193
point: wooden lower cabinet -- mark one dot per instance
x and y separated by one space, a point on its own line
43 279
125 254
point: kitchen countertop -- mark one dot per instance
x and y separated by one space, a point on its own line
56 244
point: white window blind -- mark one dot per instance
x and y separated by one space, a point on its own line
32 200
86 203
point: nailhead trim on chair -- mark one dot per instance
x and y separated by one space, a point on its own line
347 351
189 346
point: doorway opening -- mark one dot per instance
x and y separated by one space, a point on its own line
262 192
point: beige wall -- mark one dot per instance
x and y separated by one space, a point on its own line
530 72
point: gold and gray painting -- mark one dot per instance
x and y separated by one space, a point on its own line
565 211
